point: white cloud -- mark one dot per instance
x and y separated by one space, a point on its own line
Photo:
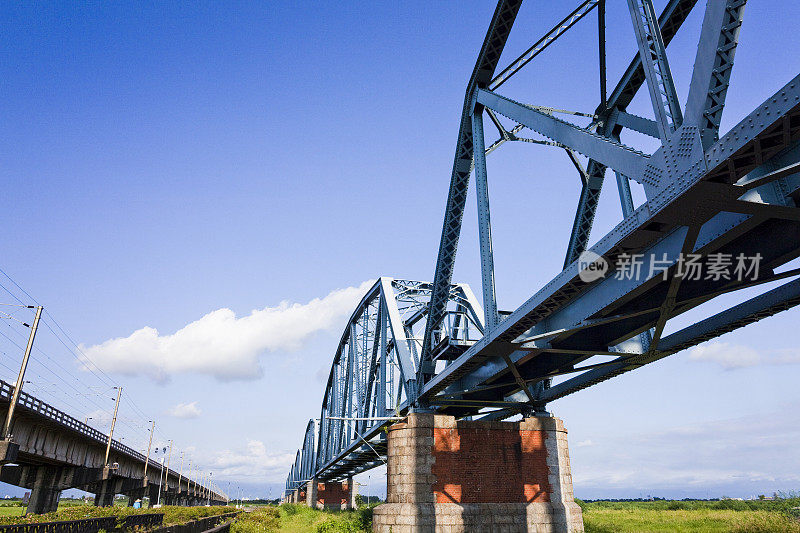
726 355
584 443
741 456
731 356
254 461
185 410
222 345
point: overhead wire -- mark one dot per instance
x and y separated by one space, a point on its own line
137 426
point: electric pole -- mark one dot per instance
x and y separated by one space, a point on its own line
113 423
149 445
21 377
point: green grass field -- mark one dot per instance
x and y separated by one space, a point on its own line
726 516
776 516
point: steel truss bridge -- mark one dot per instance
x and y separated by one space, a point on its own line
433 346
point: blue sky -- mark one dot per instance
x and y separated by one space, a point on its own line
166 162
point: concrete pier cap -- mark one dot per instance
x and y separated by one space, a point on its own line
465 476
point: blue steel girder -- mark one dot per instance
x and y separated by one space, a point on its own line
671 19
493 44
569 321
374 371
712 67
653 52
413 344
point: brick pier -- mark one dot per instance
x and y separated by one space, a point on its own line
338 495
451 476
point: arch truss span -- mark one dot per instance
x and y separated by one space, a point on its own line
373 378
302 470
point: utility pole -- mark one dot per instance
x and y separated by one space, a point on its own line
166 477
149 445
209 487
21 377
113 423
189 479
180 475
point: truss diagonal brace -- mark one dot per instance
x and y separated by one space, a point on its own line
492 48
712 67
653 52
605 151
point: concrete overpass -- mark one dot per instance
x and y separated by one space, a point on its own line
50 451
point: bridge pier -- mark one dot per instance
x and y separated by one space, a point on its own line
46 491
107 488
134 494
478 476
311 493
338 495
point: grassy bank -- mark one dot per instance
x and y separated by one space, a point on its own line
301 519
727 516
778 516
172 515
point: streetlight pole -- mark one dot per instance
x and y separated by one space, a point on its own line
113 423
21 377
209 487
159 480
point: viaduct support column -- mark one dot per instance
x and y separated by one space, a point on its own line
152 494
105 496
46 491
478 476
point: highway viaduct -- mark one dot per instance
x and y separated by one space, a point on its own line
50 451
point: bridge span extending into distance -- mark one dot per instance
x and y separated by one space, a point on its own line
426 375
50 451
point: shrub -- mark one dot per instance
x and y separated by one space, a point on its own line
262 520
767 523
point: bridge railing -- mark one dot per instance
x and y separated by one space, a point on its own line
36 405
56 415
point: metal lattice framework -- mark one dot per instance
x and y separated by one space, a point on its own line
707 195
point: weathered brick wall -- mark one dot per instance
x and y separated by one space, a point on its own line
333 493
489 462
444 475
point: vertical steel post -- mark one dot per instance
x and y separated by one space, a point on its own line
601 37
21 377
113 423
484 220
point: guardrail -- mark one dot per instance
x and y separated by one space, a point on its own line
36 405
202 525
89 525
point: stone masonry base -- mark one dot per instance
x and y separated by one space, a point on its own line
474 476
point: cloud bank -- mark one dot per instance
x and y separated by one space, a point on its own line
254 461
185 410
731 356
741 456
222 345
